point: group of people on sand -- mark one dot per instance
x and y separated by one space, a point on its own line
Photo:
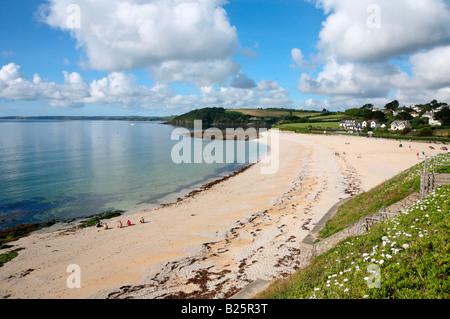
119 224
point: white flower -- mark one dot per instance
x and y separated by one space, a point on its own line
406 246
346 290
381 261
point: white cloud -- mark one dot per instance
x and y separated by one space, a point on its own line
242 81
267 85
120 88
404 28
431 69
199 73
119 35
266 94
352 79
298 58
360 39
14 86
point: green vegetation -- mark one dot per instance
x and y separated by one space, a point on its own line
272 112
315 122
443 169
403 258
15 233
95 219
19 231
302 126
4 258
215 115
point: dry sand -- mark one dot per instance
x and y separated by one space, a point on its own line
217 241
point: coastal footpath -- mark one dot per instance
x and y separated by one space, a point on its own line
215 242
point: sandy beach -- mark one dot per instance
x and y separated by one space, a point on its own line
214 242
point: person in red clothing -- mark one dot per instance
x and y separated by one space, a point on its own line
128 223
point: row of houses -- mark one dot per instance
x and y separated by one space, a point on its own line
429 114
354 125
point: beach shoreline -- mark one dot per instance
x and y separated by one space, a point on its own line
216 240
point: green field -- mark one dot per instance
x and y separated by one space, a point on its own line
273 113
318 125
331 118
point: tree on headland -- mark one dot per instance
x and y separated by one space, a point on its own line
392 105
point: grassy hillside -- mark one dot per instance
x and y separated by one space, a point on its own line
404 258
317 125
410 250
212 115
274 112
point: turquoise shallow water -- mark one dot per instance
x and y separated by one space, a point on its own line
71 169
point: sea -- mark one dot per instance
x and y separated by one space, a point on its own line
71 169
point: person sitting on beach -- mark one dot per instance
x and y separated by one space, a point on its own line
128 223
119 224
99 224
105 226
142 220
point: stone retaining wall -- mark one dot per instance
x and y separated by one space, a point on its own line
356 229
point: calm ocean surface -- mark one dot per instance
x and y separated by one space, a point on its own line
70 169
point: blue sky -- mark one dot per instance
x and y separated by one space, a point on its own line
155 57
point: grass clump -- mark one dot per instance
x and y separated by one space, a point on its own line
444 169
404 257
4 258
19 231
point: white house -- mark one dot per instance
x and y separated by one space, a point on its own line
434 122
428 115
400 125
415 108
352 125
371 124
